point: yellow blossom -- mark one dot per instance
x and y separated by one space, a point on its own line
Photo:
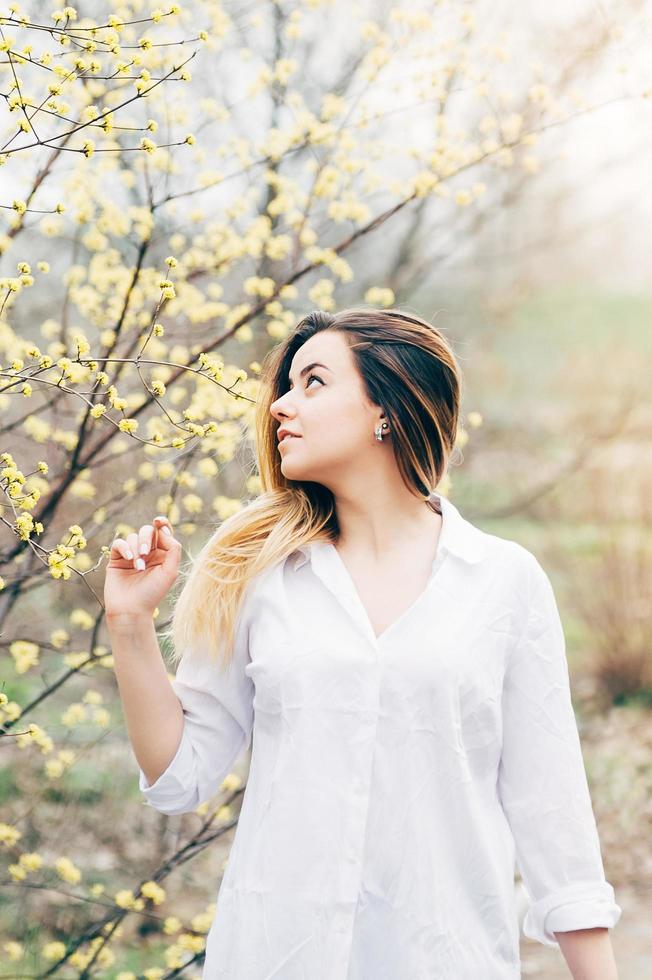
102 717
67 870
190 942
35 734
193 503
77 540
379 296
83 619
14 950
259 286
12 710
54 768
126 899
54 951
230 782
82 344
24 523
59 638
25 655
150 889
73 714
203 920
31 861
9 835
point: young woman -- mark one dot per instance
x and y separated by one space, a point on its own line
400 674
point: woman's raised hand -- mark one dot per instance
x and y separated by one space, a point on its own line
141 570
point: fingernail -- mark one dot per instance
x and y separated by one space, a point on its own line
140 564
129 554
166 530
144 548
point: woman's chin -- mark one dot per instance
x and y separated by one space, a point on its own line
294 469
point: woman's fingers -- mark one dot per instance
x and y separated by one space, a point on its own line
120 546
133 544
145 539
164 536
140 544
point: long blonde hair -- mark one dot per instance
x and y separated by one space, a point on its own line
408 367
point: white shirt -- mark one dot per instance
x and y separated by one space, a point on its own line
394 780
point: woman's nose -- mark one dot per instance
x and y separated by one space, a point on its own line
278 408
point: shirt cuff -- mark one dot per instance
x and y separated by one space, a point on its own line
574 907
171 792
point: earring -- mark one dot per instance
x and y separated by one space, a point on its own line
379 430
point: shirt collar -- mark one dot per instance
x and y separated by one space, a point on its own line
457 536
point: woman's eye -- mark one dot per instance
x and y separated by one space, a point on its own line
308 380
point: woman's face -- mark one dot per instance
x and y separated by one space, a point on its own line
327 407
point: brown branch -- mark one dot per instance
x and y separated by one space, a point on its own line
204 836
530 496
77 127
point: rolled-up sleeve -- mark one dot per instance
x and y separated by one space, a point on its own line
542 781
218 719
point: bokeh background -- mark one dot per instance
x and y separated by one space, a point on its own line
178 185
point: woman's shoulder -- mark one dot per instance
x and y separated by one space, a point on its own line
509 552
514 570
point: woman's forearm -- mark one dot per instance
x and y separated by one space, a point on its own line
589 953
153 713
